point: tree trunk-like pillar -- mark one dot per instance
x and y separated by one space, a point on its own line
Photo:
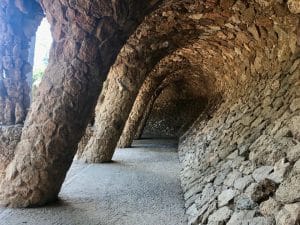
146 114
114 105
87 38
153 40
18 23
135 61
154 84
140 110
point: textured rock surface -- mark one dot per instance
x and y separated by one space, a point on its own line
294 6
87 36
175 109
9 138
250 142
289 215
240 158
162 32
18 23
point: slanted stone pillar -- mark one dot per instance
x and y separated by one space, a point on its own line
134 62
140 110
165 73
87 38
18 23
155 38
145 117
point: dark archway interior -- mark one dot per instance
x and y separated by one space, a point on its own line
176 108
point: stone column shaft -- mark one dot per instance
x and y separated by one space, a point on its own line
140 110
87 38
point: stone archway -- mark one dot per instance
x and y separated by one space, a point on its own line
152 41
87 38
253 56
249 50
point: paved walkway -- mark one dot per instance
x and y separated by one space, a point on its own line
140 188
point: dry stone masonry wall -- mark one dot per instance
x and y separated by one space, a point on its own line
178 105
240 164
243 163
9 138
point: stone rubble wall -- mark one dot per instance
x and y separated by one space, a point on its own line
174 111
240 162
242 166
11 135
9 138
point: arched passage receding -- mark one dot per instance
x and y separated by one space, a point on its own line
153 40
253 58
248 50
87 38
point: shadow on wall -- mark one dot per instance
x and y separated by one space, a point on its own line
174 111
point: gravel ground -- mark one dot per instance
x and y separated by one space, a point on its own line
141 187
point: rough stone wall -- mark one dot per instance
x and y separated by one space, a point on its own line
174 111
241 163
18 23
9 138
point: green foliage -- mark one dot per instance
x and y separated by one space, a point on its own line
39 70
38 74
36 79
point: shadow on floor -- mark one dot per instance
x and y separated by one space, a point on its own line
155 143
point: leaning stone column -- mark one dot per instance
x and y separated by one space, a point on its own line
164 73
134 62
154 39
143 121
87 38
142 104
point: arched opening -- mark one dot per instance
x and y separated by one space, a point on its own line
228 71
175 109
43 41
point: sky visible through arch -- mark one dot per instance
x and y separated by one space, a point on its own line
42 48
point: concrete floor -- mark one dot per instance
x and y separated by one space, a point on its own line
141 187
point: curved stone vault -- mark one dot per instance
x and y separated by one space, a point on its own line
222 76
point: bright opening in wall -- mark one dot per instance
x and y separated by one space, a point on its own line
43 41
